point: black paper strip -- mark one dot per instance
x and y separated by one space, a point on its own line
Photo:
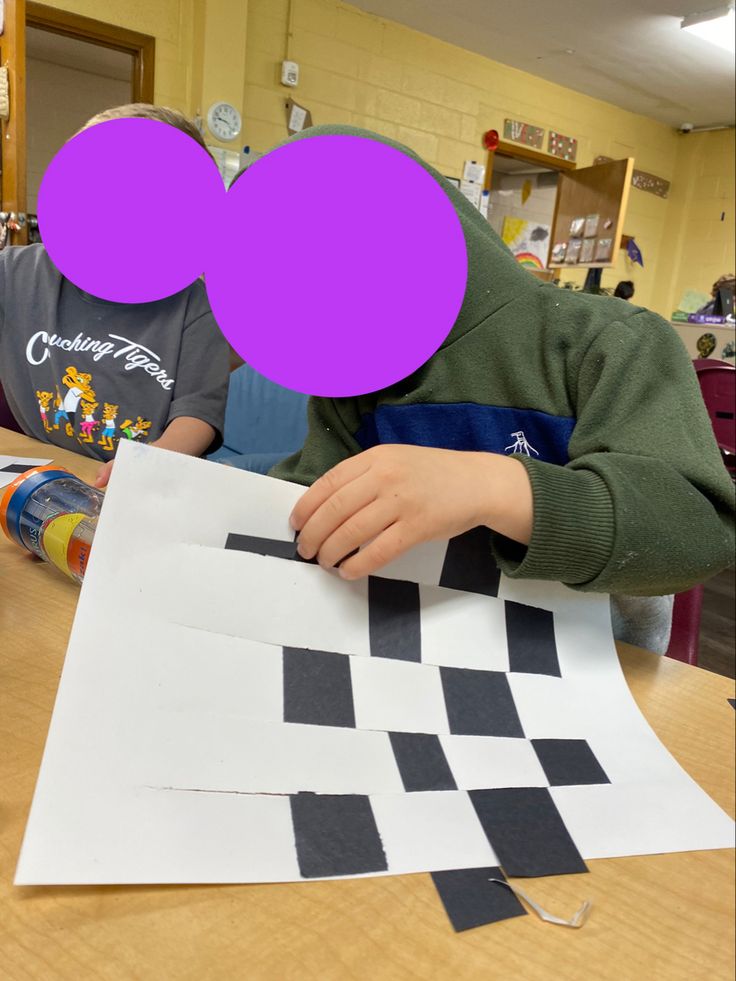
526 831
317 688
336 835
531 638
393 619
479 703
15 468
265 546
470 900
469 563
568 762
421 761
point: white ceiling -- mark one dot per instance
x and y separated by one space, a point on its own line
82 55
631 53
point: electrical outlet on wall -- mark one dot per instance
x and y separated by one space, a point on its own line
289 73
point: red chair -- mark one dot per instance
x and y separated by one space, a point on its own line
685 635
718 386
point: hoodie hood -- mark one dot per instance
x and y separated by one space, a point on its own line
495 278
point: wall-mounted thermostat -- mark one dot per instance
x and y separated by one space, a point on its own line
289 73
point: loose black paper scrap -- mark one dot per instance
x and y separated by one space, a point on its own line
470 900
317 688
526 831
568 762
336 835
479 703
394 624
531 638
15 468
265 546
469 563
421 761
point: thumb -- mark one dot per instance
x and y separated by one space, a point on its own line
103 474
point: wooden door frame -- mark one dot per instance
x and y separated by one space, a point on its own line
13 181
519 152
142 47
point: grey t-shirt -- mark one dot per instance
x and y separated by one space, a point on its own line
84 373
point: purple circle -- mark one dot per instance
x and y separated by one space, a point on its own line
341 267
121 209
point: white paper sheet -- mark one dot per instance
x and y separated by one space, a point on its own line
160 724
7 477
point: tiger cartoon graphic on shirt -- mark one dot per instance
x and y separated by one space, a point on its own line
59 412
88 423
44 402
137 431
109 415
79 385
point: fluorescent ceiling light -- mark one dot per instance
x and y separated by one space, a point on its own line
716 26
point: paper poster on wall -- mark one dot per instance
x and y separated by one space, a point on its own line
474 171
519 132
565 147
228 163
471 191
298 117
528 240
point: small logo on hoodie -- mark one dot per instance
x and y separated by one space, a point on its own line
521 444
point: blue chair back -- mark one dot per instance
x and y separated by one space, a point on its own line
264 423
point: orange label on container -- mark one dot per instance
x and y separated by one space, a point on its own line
55 539
77 555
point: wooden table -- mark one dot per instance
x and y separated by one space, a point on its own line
655 917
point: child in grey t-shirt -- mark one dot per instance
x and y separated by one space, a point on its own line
84 373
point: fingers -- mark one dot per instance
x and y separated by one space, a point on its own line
389 545
103 475
325 487
342 505
363 526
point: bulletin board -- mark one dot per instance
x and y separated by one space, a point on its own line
589 215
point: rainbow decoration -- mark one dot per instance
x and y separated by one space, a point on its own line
529 259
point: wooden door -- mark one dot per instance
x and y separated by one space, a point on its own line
13 129
589 215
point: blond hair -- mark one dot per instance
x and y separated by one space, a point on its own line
143 110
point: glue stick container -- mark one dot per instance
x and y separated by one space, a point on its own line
53 514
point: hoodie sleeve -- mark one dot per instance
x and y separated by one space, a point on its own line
645 506
329 441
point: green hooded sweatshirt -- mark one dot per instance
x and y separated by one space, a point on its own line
595 396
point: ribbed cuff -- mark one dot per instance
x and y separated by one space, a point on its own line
572 536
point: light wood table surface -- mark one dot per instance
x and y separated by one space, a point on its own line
666 917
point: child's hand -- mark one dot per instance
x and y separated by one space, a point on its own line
398 496
103 474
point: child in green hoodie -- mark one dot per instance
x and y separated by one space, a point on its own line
571 426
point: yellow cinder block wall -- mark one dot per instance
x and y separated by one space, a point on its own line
170 22
439 99
200 46
698 240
